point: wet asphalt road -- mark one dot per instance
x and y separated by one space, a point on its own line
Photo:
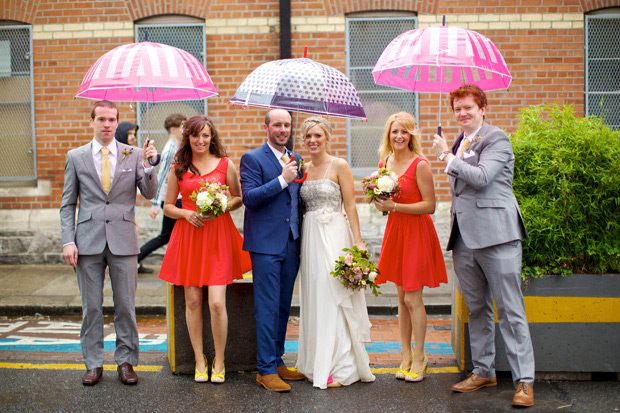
61 390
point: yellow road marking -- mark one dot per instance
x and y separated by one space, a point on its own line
111 367
55 366
393 370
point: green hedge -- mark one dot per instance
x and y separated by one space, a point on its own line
567 182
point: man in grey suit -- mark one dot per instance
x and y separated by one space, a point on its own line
103 175
485 239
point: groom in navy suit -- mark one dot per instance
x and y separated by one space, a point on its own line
272 228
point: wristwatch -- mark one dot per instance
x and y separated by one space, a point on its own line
443 155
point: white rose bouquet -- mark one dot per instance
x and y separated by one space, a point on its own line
210 198
381 184
356 271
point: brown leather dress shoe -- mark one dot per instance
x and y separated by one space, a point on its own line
92 376
473 383
126 374
524 396
286 374
272 382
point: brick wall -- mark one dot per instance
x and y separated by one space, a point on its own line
541 43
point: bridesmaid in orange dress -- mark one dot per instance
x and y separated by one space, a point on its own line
203 250
411 256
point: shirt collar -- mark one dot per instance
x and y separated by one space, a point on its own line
276 152
97 147
473 135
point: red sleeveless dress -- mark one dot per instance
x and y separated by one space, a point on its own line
411 256
211 254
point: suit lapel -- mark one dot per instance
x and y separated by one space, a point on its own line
457 143
89 163
272 157
120 147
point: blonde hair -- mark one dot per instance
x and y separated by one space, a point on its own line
408 122
316 121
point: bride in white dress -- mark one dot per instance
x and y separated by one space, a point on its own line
334 320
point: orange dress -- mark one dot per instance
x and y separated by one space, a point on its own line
211 254
411 256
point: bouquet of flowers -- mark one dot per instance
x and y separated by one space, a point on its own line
356 271
380 184
210 198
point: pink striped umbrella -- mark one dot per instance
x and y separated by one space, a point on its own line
146 72
441 58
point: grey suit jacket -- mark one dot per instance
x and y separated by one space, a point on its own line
103 218
482 199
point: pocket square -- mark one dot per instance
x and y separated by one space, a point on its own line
127 170
468 154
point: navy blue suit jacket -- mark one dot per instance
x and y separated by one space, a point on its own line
267 206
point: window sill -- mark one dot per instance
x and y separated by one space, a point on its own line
43 188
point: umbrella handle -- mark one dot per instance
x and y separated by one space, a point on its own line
303 177
156 161
439 130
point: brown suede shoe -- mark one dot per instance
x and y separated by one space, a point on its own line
126 374
286 374
92 376
524 396
272 382
473 383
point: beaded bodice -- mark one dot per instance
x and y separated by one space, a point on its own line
321 193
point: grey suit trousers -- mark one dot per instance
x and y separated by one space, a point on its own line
124 279
484 274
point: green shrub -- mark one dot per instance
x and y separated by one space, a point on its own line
567 182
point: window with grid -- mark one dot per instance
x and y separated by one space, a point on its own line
188 36
18 154
366 38
602 94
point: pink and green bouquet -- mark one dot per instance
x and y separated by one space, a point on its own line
211 198
380 184
356 271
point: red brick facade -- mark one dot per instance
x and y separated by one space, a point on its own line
547 66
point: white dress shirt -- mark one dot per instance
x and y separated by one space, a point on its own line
468 138
98 157
278 155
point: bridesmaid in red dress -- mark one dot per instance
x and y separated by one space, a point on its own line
203 250
411 256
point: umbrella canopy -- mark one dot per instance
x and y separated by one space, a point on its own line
301 85
146 72
441 59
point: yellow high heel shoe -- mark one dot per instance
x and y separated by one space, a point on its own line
217 377
202 376
402 372
420 374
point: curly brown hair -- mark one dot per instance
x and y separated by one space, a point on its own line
183 157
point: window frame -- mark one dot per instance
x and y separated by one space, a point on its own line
360 171
599 15
159 22
35 176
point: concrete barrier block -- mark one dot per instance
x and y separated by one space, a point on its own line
241 342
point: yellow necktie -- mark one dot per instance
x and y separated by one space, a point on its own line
464 147
106 179
285 158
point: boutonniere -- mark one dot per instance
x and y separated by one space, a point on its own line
476 139
126 152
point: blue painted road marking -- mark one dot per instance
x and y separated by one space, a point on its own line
68 346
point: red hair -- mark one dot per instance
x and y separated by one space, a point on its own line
469 90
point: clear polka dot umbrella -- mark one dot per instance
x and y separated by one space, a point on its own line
300 85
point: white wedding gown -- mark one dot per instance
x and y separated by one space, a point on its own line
334 320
